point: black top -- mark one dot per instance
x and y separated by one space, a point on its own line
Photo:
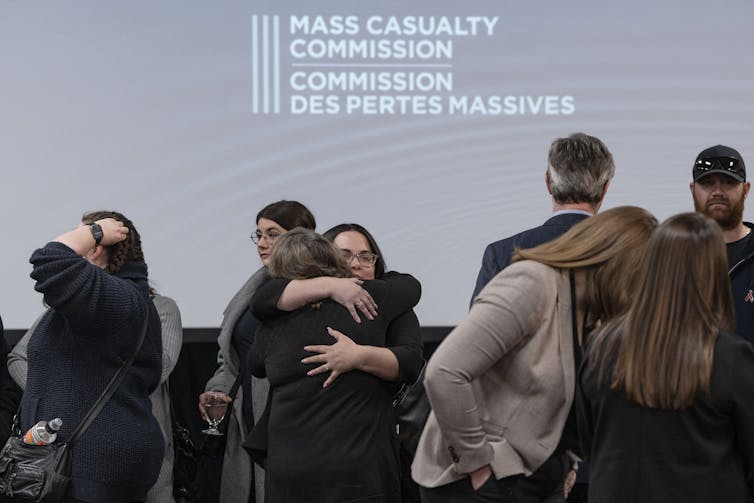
737 250
700 454
242 339
742 286
336 444
403 334
92 327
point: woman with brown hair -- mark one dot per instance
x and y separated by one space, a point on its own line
240 481
333 443
502 383
400 360
94 279
666 394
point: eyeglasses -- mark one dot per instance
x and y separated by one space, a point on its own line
729 164
365 258
271 236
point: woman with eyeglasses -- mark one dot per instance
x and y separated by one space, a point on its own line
330 443
666 392
236 337
400 360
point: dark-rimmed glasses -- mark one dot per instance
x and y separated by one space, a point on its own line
365 258
271 236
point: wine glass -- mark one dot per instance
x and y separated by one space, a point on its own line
216 406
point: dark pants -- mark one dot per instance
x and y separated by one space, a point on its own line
543 486
82 501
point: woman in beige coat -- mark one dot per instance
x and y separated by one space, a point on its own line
502 383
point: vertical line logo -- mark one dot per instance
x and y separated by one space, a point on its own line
265 64
381 64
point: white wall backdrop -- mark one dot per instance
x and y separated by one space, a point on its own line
187 116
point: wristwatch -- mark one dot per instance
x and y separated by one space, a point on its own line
97 233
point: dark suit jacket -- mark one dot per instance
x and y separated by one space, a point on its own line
497 255
699 454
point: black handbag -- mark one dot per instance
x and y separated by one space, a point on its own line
185 461
34 472
41 473
411 411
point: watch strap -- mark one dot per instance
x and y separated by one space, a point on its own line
97 233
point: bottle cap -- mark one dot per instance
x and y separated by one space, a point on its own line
55 424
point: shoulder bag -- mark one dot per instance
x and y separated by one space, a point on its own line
41 473
185 460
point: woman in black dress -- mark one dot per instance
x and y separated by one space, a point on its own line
666 395
334 443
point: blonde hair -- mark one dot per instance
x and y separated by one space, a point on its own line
302 253
608 248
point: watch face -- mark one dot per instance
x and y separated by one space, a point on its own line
97 233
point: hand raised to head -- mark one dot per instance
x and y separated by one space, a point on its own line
113 231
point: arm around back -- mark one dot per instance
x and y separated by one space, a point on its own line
404 340
404 292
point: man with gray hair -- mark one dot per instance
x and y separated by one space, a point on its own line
579 170
578 174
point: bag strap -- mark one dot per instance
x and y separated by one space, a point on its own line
170 403
232 394
236 384
406 388
110 388
577 352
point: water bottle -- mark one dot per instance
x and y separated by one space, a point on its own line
44 432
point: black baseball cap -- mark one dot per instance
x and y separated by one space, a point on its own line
719 159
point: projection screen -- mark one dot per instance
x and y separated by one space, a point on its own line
428 122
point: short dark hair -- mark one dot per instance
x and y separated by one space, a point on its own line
288 215
579 167
379 266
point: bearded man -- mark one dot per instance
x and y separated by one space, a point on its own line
719 190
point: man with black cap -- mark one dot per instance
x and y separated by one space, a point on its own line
719 190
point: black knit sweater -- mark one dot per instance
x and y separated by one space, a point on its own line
91 329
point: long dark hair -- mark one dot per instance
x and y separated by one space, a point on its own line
663 347
379 266
128 250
